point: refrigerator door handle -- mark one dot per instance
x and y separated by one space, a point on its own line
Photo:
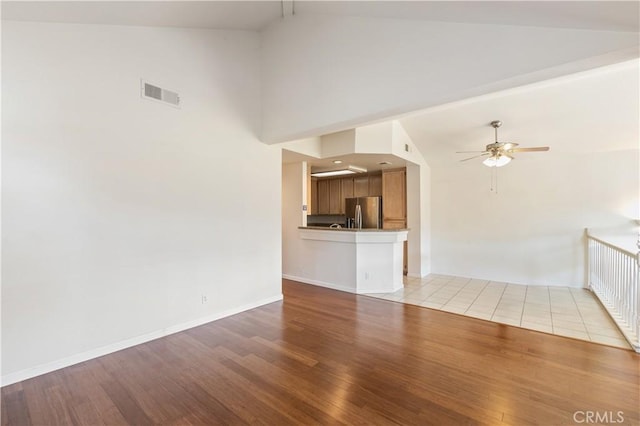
358 221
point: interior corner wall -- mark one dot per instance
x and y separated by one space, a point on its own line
118 213
402 146
294 177
419 219
323 74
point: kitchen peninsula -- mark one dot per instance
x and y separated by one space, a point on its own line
353 260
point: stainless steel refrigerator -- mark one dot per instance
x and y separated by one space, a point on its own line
370 211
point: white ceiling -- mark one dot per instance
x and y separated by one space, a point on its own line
233 15
256 15
532 119
368 161
590 112
597 15
576 115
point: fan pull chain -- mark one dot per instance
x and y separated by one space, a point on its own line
494 179
491 174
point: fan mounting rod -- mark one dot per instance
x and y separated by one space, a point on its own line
495 124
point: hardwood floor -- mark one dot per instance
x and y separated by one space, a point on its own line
327 357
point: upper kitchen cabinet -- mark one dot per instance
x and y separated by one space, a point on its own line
361 186
347 191
394 199
375 185
328 194
323 196
313 196
335 196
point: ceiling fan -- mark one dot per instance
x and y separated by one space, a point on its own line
500 152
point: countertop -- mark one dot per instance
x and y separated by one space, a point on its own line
324 228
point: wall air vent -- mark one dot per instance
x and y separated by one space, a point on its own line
155 93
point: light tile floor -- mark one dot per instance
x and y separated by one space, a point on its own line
564 311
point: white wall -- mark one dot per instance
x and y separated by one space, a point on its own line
120 213
374 138
339 143
531 231
323 74
294 195
419 219
310 147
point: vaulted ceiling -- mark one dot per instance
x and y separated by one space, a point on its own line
589 112
547 114
256 15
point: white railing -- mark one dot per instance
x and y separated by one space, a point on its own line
614 277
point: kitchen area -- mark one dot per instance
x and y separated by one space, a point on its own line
364 200
355 210
354 233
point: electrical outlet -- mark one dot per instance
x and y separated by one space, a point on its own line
204 299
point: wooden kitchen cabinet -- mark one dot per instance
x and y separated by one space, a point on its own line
347 191
328 194
313 209
394 205
323 197
361 186
393 224
335 196
375 185
394 199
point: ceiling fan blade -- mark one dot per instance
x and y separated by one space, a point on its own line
533 149
476 156
469 152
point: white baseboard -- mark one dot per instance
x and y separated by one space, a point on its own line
29 373
413 275
318 283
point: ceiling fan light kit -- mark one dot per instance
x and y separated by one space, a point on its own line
497 161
